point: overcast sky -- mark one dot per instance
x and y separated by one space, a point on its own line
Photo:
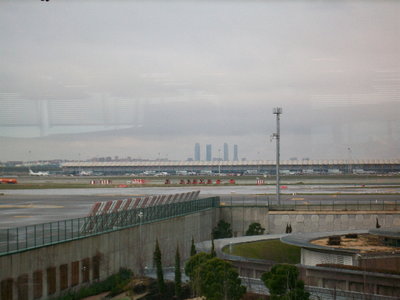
149 79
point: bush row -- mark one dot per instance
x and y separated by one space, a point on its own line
115 284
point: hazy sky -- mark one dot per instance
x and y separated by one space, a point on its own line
149 79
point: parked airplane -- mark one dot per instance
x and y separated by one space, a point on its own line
162 174
40 173
149 173
85 173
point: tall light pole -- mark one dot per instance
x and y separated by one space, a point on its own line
350 160
277 111
140 256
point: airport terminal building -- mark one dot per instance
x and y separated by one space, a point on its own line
376 166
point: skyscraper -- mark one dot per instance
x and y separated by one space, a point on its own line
235 153
208 152
226 152
197 152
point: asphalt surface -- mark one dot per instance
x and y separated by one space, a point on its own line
27 207
21 207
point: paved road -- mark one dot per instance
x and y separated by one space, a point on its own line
217 190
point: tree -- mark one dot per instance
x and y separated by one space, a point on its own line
283 283
192 267
194 262
178 275
219 280
158 265
377 224
255 229
288 228
213 253
223 230
193 248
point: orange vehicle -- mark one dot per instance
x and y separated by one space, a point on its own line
8 180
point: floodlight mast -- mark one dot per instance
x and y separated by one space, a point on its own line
277 111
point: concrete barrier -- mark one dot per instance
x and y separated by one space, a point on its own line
274 222
46 271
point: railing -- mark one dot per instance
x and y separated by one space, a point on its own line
310 205
337 294
326 205
18 239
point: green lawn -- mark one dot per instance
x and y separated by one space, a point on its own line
271 250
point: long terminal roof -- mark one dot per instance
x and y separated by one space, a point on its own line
254 163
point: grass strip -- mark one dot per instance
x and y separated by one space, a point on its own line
273 250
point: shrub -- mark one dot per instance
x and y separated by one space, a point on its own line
255 229
223 230
115 283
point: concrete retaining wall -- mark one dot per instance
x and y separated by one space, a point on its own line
241 217
46 271
323 221
305 221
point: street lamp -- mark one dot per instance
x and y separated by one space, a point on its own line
141 270
140 215
277 111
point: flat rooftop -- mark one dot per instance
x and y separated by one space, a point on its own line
364 243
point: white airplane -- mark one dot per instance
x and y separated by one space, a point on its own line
85 173
149 173
40 173
162 174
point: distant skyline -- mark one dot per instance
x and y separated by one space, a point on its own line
197 152
235 153
226 151
149 79
208 154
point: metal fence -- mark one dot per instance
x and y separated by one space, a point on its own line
338 205
29 237
310 205
320 293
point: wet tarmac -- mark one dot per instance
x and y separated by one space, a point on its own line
27 207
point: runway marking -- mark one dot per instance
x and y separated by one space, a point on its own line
122 195
297 199
30 206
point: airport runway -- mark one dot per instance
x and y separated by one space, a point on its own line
216 190
27 207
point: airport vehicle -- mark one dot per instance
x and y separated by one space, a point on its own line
251 172
8 180
206 172
40 173
148 173
181 172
